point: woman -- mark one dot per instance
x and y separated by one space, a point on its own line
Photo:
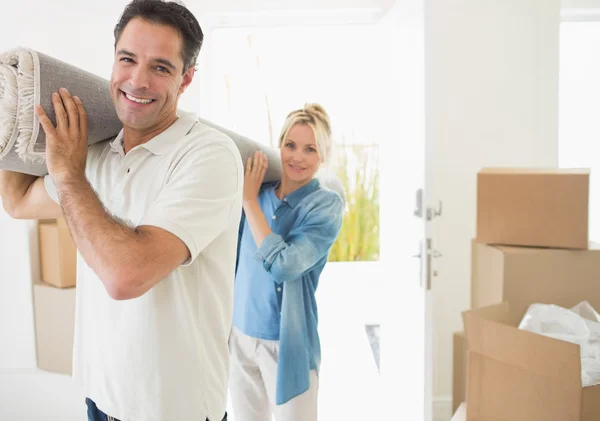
286 232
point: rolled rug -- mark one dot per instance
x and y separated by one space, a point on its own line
28 78
247 147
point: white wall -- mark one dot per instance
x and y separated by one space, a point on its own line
492 100
17 350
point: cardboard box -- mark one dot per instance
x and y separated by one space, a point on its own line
54 317
533 207
459 370
526 275
58 254
517 375
460 414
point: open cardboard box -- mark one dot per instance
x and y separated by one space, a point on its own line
526 275
516 375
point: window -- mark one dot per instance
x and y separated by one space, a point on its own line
258 75
579 106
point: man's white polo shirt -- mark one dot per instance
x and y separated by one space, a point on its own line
164 356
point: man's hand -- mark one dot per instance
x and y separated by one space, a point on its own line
255 174
66 144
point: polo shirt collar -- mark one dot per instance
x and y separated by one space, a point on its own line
161 143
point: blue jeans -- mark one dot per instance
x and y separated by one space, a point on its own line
94 414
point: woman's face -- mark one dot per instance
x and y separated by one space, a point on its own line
300 159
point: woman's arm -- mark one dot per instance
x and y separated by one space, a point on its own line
288 259
305 246
253 178
257 222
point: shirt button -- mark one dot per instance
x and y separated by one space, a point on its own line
274 217
278 289
285 199
128 170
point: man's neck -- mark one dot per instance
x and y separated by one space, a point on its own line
133 137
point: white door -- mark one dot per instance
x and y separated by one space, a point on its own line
406 241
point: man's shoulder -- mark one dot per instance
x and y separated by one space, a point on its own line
210 135
204 138
201 150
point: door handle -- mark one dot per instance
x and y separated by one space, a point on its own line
430 254
430 213
434 213
419 204
434 253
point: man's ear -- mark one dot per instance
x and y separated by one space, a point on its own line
188 76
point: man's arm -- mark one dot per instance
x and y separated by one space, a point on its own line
128 261
187 216
24 196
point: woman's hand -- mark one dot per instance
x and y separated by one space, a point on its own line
256 168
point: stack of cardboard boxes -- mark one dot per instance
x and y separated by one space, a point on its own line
531 247
54 297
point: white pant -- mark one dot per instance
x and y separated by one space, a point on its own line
253 382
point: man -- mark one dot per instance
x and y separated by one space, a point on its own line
155 215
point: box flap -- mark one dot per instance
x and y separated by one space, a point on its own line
544 171
492 332
498 312
498 391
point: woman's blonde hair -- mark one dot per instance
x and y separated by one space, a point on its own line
314 116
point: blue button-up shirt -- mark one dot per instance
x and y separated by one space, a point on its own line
305 226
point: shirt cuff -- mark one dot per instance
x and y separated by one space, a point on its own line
268 247
178 232
51 189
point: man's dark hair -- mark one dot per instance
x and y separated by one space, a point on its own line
170 13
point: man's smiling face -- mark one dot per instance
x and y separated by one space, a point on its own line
147 76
